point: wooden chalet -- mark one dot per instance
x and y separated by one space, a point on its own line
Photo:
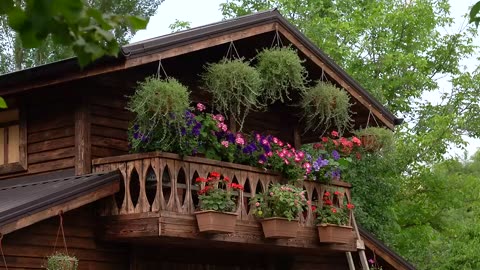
64 155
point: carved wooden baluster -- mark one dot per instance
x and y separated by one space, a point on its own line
130 208
159 201
186 199
170 167
136 181
193 187
309 190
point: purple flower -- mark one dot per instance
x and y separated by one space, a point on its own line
230 137
335 155
136 127
136 135
319 163
262 158
371 261
336 174
183 131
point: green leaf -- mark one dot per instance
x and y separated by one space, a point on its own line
6 6
474 11
3 103
137 23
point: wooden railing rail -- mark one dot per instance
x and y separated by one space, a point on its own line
159 181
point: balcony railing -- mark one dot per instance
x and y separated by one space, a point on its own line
157 185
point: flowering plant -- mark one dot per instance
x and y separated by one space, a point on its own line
284 201
331 157
216 193
374 265
329 213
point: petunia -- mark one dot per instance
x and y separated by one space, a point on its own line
335 155
200 107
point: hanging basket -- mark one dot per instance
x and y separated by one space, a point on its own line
370 143
60 261
216 222
330 233
276 227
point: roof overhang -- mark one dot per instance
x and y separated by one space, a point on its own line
195 39
28 200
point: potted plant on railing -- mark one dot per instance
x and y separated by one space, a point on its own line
281 71
326 105
375 138
278 209
217 204
60 261
331 157
333 219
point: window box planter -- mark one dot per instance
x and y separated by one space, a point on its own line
276 227
216 222
338 234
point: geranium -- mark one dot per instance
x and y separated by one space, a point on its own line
285 201
215 193
330 213
200 107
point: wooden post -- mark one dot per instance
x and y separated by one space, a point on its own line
232 123
297 139
83 146
351 265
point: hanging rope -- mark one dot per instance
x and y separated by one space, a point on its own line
374 118
277 41
161 69
1 251
60 229
232 49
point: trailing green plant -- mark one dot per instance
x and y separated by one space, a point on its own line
159 105
235 87
285 201
60 261
376 138
325 105
281 70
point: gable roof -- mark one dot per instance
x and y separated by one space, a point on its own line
194 39
27 200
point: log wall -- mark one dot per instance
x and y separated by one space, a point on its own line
27 248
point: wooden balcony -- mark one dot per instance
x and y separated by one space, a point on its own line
158 197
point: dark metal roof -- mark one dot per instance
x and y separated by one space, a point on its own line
23 196
162 43
367 235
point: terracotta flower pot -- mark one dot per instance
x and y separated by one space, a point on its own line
279 227
216 222
330 233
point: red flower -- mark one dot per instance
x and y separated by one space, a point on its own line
334 133
350 206
226 179
317 146
314 208
215 174
324 139
328 202
326 193
337 193
334 210
359 156
335 142
205 190
356 141
200 179
236 186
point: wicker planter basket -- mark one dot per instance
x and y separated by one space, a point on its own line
216 222
279 227
329 233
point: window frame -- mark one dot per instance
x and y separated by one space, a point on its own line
22 164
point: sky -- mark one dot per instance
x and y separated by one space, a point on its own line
201 12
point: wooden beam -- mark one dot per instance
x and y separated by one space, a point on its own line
133 62
83 144
337 77
103 192
384 255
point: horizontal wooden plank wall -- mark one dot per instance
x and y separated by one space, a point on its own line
28 248
110 121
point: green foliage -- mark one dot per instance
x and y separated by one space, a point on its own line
284 201
281 70
332 215
59 29
159 106
179 26
324 106
59 261
473 14
235 87
215 193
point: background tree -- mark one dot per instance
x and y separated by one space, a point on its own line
42 31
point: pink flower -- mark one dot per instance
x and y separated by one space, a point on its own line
286 161
240 140
269 154
222 127
224 143
301 154
356 141
265 142
309 202
271 193
257 204
307 165
219 117
297 159
288 145
280 143
200 107
275 140
260 161
257 137
334 133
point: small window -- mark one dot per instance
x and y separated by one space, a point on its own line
13 156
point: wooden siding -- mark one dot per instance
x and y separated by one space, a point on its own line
110 121
28 248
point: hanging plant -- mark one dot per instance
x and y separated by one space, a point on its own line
235 87
375 139
281 70
60 261
325 105
159 106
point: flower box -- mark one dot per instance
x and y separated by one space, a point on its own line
330 233
216 222
276 227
